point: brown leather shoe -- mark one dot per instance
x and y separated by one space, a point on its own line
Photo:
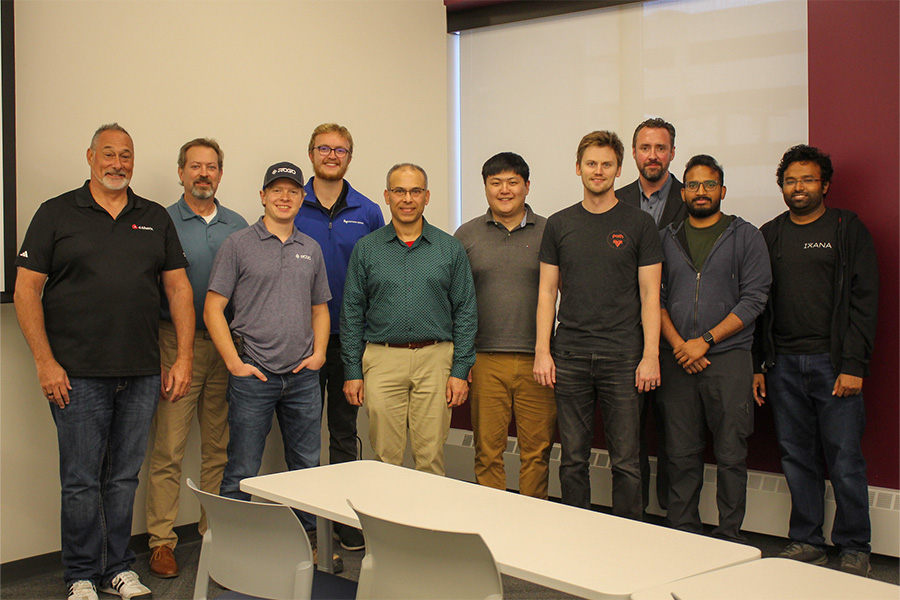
162 562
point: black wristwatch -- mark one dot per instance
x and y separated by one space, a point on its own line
709 339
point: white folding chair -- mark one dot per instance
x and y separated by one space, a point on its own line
253 548
405 562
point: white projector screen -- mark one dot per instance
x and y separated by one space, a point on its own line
731 75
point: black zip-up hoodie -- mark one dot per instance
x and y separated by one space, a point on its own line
855 317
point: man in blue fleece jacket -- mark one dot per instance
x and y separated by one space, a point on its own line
336 216
715 282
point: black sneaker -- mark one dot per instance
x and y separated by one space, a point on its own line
855 563
350 538
804 553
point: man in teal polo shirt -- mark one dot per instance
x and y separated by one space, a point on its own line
202 225
408 325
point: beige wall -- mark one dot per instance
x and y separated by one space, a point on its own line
256 75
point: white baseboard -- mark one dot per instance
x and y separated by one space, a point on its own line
768 498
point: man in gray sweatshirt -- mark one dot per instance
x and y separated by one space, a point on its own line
715 282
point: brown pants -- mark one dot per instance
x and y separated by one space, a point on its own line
503 384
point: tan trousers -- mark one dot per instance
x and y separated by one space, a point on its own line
206 399
503 384
406 390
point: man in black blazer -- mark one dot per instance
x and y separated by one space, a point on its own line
657 192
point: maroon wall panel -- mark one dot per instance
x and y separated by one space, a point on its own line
854 115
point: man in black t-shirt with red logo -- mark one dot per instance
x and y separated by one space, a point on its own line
815 338
603 258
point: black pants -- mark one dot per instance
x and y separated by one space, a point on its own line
650 405
342 440
720 398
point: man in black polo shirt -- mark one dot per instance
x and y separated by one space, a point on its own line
87 299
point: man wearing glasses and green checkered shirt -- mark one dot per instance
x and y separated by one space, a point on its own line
408 325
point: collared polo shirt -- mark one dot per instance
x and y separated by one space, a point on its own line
273 286
201 241
396 293
102 297
506 272
655 203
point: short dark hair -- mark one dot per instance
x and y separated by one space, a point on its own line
505 161
704 160
602 139
804 153
655 123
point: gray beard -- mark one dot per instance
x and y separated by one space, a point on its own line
202 194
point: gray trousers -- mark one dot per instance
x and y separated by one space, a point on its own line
719 398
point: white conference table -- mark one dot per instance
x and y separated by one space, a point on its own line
581 552
773 579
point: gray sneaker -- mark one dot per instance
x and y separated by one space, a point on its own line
855 563
804 553
128 585
82 590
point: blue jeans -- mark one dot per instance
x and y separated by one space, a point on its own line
810 423
297 400
582 382
102 435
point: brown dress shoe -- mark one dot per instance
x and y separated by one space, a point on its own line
162 562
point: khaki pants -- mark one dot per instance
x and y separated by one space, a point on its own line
503 384
206 399
406 390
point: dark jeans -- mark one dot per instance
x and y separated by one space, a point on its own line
102 436
584 381
342 440
810 423
294 397
720 398
650 405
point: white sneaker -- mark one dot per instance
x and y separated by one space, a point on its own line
82 590
127 585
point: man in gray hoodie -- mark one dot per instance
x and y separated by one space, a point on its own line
715 282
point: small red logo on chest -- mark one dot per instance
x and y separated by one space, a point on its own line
617 239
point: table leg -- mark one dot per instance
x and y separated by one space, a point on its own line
325 538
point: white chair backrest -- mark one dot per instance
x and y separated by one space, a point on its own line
253 548
405 562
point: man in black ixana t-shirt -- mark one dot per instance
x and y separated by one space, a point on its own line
815 338
604 259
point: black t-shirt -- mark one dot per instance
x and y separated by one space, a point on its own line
598 256
101 299
803 293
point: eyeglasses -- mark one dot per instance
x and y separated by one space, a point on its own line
400 192
709 185
339 151
806 181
